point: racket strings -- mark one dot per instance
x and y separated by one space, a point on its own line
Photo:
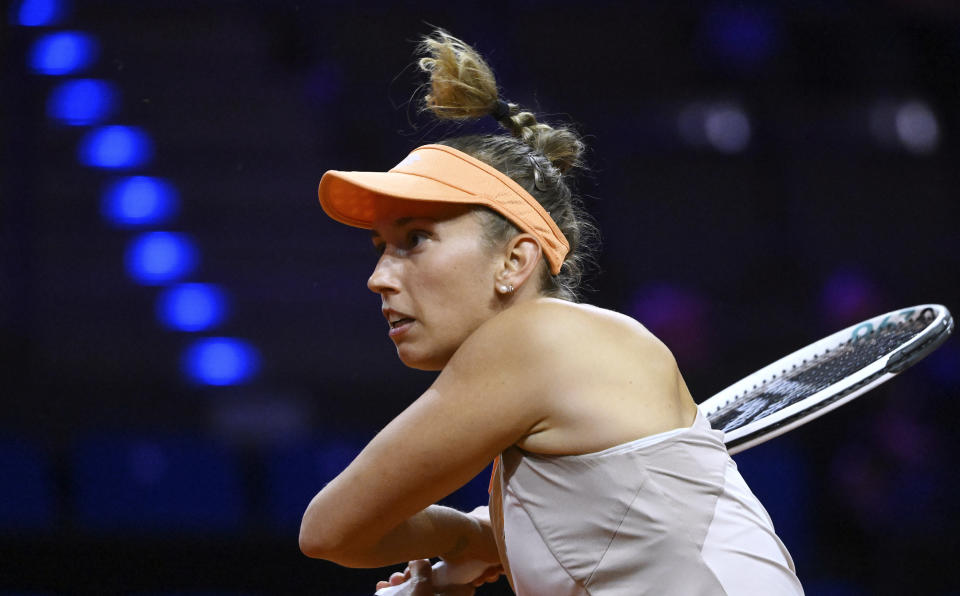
814 374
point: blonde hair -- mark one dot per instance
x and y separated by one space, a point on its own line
537 156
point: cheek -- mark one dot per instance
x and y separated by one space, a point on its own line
456 259
458 285
468 275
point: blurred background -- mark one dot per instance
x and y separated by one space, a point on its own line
188 348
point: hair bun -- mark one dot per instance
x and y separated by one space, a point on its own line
462 86
461 83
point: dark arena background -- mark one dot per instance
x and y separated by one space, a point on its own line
189 351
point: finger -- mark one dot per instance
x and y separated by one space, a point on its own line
419 568
421 578
396 578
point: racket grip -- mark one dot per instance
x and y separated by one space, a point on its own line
445 575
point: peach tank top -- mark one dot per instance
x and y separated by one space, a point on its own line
663 515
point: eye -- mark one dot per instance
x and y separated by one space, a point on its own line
379 247
415 237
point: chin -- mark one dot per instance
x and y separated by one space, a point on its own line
419 360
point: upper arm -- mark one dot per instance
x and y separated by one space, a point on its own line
488 396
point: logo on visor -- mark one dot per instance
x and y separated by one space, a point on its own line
409 160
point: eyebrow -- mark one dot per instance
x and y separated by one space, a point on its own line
402 221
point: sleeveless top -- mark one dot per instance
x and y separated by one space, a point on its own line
666 514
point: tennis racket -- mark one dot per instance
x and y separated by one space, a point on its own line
825 375
799 387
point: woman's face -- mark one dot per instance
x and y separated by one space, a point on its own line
436 277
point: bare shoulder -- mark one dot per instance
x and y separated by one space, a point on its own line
598 378
561 320
566 334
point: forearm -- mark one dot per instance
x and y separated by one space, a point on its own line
433 532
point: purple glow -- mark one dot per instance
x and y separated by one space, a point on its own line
677 316
848 297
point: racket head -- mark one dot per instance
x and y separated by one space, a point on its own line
780 397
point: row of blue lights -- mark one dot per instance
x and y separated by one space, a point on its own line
154 258
80 102
38 13
62 53
139 201
115 148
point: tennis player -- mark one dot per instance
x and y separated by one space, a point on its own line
607 480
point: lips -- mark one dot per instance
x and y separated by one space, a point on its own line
399 322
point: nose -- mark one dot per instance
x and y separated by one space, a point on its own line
385 276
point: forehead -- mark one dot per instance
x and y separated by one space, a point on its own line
399 212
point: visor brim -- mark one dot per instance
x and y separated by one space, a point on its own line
353 198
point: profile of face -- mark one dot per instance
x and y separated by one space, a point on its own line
436 277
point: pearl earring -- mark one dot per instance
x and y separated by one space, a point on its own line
506 288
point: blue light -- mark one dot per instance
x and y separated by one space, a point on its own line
116 147
62 53
39 13
160 257
139 200
82 101
221 361
744 36
191 307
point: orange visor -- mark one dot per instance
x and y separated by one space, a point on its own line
446 175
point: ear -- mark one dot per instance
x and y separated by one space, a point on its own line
521 255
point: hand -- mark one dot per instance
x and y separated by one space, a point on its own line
421 582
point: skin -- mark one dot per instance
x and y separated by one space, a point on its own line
516 369
433 269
